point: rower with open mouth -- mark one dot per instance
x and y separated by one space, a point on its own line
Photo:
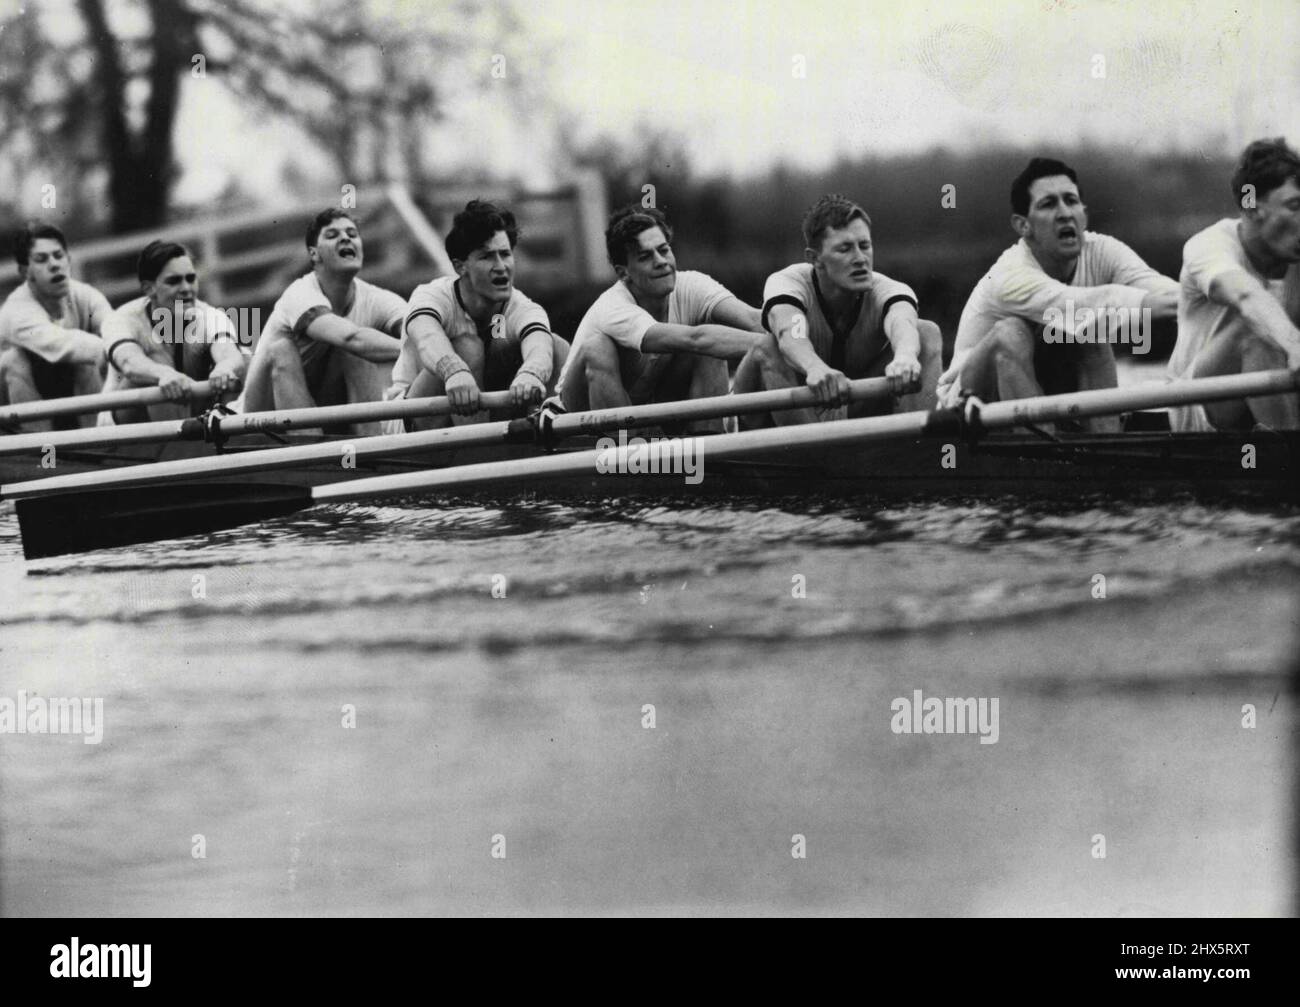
660 334
1059 275
1239 299
332 337
170 339
475 331
836 318
50 338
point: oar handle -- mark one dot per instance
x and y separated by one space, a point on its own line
80 405
567 424
352 412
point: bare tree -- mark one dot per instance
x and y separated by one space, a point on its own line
365 88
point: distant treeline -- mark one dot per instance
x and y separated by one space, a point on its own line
741 230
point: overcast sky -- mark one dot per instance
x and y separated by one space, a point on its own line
803 81
893 76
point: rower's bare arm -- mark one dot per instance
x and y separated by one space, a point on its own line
366 343
1040 300
737 314
538 351
229 366
900 330
790 326
707 340
136 367
1259 309
439 356
529 384
1161 297
431 342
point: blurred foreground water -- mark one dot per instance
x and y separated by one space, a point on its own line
227 666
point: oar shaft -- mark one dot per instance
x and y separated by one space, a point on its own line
1108 401
80 405
339 451
666 454
95 437
723 405
353 412
397 445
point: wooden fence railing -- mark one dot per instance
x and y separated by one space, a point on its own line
249 258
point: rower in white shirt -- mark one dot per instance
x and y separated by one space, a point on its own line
837 318
50 345
1045 316
660 335
170 339
332 337
475 331
1239 301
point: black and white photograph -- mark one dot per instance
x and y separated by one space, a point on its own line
603 458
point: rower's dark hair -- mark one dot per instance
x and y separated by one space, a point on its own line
625 224
155 255
29 235
832 211
326 217
476 225
1265 164
1038 167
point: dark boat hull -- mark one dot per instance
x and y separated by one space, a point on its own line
1253 465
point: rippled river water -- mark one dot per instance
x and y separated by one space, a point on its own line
663 709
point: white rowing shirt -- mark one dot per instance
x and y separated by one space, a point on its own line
616 314
852 348
1107 276
71 338
440 300
303 302
1207 256
183 346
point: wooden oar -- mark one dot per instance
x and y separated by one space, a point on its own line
519 431
76 523
238 424
80 405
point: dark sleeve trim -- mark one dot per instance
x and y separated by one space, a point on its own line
418 312
307 317
113 347
789 299
905 298
533 327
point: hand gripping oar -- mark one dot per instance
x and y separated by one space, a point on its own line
58 525
447 438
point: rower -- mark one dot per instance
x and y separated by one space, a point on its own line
658 334
331 337
50 345
475 331
169 338
836 318
1043 318
1239 296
